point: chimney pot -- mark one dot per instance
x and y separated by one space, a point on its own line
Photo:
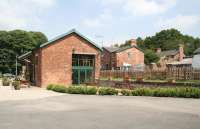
133 42
181 52
158 50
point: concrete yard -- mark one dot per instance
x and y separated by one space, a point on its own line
36 108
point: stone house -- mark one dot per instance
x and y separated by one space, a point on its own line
130 57
169 56
68 59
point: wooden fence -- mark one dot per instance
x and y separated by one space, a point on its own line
177 74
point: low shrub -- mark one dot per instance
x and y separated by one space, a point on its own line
90 90
5 81
76 90
142 92
184 92
50 86
58 88
16 84
126 92
108 91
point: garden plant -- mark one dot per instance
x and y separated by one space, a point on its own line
182 92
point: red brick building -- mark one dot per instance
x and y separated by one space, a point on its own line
68 59
170 56
130 57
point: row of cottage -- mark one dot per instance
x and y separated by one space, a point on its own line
74 59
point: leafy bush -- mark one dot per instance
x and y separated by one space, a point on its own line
58 88
126 92
90 90
142 92
50 86
16 84
108 91
5 81
184 92
76 90
82 90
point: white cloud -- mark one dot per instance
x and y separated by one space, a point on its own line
141 7
181 22
19 14
148 7
103 19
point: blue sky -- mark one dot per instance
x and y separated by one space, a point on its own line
107 21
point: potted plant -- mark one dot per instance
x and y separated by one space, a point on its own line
5 81
16 84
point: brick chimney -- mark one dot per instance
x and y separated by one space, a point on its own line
158 50
133 42
181 52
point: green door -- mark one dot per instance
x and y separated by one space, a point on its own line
82 75
75 76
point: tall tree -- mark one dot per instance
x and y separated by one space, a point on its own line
150 57
14 43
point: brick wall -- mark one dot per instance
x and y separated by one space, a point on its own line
106 59
136 57
56 59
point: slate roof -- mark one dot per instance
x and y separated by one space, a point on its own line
167 53
118 49
111 49
68 33
197 51
60 37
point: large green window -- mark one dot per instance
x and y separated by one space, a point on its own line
82 68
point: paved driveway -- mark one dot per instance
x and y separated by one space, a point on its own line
63 111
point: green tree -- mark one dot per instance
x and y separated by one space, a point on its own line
14 43
150 57
38 37
170 39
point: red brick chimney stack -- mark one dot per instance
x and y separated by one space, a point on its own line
133 42
158 50
181 52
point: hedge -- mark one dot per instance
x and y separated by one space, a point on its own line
72 89
57 88
108 91
183 92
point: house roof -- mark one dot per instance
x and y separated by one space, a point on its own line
186 61
111 49
68 33
60 37
25 55
118 49
167 53
197 51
